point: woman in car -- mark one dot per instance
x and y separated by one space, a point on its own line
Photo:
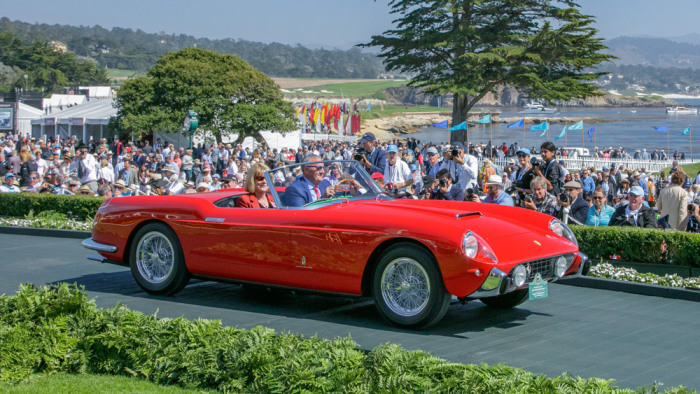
258 190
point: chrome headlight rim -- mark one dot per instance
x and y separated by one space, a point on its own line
474 247
519 275
562 230
561 265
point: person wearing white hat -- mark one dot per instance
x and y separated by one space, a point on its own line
494 192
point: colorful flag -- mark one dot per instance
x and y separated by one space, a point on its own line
461 126
686 131
577 126
590 133
442 125
520 123
544 126
485 120
563 132
662 129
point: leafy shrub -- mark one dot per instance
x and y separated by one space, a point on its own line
20 204
639 245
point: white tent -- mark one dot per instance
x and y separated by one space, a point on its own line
27 113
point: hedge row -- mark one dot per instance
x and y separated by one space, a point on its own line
57 329
639 245
20 204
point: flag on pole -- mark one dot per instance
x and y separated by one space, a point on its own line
577 126
563 132
686 131
461 126
442 125
662 129
485 120
544 126
520 123
590 133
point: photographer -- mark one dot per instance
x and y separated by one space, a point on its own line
494 193
463 168
445 189
691 223
540 200
548 168
572 198
373 158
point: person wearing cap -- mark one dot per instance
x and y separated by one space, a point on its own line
119 188
309 186
432 165
673 202
9 185
86 167
417 178
523 176
573 199
373 158
550 170
495 193
85 191
215 182
463 167
203 187
397 174
635 213
229 182
641 181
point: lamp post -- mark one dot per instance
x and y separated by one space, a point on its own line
26 78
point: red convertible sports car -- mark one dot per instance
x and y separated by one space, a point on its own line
411 256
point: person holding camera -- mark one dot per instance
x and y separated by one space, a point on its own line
635 213
540 200
446 190
463 168
572 197
691 223
494 193
672 202
373 158
548 168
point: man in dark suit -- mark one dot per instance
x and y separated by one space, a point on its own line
309 186
634 214
374 158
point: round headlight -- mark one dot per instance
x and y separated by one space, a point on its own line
560 267
470 245
519 275
476 248
563 230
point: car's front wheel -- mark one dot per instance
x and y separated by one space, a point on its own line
508 300
408 289
157 262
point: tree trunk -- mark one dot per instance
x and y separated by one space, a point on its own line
459 115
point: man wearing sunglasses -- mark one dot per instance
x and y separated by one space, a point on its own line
34 183
309 186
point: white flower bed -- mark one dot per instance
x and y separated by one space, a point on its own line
66 224
608 271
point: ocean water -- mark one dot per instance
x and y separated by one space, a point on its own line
627 127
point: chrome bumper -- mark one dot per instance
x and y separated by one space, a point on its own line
92 245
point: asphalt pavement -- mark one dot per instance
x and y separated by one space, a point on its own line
634 339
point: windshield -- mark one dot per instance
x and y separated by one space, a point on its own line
317 182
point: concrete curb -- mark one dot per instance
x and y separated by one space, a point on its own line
676 293
584 281
45 232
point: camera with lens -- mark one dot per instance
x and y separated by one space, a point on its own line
469 194
359 154
455 153
535 161
443 182
564 197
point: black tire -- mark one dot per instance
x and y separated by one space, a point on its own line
163 272
507 301
424 301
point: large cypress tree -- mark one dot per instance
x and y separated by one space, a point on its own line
471 47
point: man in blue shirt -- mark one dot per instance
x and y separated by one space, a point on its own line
494 188
587 182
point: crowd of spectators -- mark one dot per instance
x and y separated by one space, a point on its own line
532 179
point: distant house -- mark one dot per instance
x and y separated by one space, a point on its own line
59 46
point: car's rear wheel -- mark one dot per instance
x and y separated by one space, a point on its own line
157 262
508 300
408 289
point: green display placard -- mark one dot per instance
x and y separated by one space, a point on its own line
538 288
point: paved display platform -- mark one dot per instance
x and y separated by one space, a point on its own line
634 339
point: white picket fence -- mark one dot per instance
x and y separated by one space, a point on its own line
650 166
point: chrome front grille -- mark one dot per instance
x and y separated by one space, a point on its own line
544 267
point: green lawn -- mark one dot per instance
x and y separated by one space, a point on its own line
690 169
350 89
88 384
114 73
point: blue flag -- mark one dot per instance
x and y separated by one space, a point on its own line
662 129
461 126
486 119
577 126
442 125
590 133
563 132
520 123
686 131
544 126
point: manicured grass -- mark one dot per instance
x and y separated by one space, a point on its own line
350 89
114 73
88 384
690 169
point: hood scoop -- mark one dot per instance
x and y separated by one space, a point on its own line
467 214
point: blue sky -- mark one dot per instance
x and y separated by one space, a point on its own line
318 23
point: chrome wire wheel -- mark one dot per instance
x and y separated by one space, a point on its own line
155 257
405 287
